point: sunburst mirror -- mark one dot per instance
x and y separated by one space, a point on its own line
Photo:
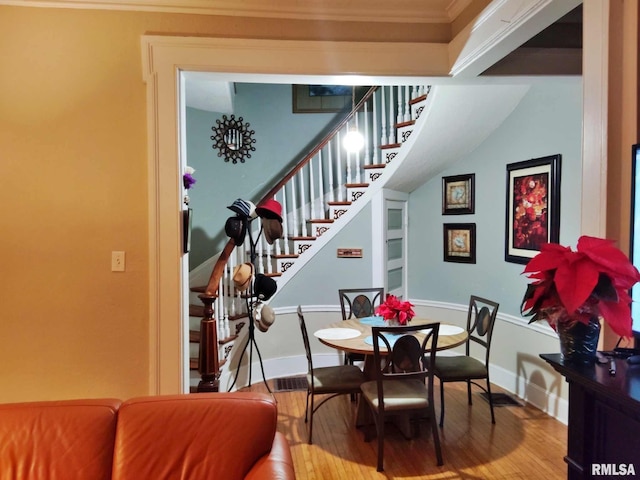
233 139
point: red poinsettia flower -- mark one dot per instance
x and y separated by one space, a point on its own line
393 307
575 285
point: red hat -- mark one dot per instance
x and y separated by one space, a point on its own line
270 209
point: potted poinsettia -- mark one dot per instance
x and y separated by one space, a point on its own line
393 310
573 290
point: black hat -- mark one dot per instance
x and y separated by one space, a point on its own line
264 287
236 229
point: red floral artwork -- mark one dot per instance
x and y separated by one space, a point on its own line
530 211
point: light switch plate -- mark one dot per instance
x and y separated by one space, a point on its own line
117 261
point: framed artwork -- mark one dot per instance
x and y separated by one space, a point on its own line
458 194
325 98
460 242
533 207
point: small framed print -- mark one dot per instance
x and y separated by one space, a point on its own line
187 216
460 242
458 195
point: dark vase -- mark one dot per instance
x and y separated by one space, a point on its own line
579 342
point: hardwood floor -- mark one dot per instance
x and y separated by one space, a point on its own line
525 443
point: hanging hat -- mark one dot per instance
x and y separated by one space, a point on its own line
270 209
243 208
242 276
264 287
236 229
264 316
272 229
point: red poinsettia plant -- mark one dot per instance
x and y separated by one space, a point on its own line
395 309
575 286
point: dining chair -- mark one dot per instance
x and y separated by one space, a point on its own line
359 303
481 317
331 381
404 379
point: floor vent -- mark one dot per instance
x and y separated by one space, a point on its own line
289 384
501 400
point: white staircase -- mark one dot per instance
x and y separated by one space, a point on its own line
320 195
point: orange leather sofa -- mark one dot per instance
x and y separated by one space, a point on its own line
224 436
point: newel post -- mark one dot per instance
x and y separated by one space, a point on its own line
208 362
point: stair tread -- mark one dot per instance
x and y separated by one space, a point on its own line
419 99
339 203
356 185
196 310
302 238
321 220
391 145
405 124
194 336
375 165
285 255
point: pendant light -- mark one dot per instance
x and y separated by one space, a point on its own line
353 141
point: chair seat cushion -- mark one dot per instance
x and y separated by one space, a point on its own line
452 369
398 394
343 378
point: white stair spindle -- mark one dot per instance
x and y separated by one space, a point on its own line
330 170
407 107
283 202
392 128
339 167
303 203
357 155
383 117
312 192
399 116
320 186
374 130
294 207
367 153
285 219
348 160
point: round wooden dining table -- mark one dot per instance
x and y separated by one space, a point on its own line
450 336
354 335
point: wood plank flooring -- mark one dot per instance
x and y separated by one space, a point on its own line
525 443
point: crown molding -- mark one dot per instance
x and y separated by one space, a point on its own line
382 11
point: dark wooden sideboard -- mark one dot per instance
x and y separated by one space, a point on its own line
604 416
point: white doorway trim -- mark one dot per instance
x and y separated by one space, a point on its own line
265 61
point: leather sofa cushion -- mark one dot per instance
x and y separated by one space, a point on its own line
63 440
190 436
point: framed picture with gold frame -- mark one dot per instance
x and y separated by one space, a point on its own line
458 194
459 242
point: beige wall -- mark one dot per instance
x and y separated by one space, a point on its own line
74 188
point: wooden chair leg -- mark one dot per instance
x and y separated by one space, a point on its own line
436 437
380 430
311 422
469 392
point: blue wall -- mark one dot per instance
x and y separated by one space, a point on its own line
548 121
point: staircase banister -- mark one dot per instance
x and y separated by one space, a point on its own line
307 158
218 269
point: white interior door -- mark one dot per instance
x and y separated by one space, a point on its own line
395 247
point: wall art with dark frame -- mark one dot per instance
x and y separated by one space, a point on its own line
458 194
459 242
533 207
